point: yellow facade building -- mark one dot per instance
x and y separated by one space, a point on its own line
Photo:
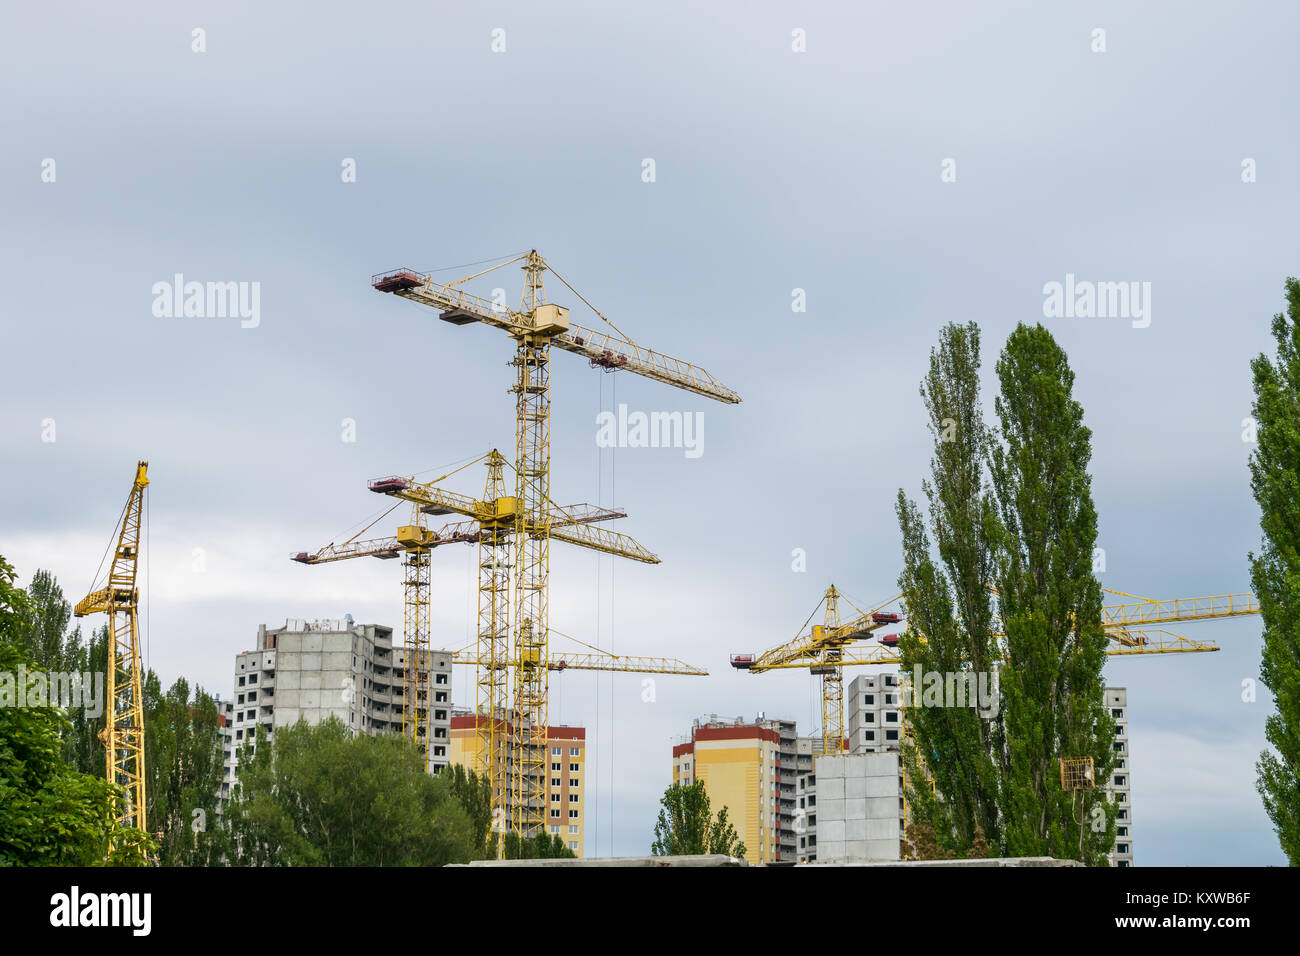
566 764
751 769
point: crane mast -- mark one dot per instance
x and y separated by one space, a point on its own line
535 326
123 733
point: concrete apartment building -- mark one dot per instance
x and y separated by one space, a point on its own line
751 768
312 670
875 726
851 809
872 714
1119 787
566 788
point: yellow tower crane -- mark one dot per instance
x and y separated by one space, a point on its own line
123 733
826 650
496 520
536 326
416 542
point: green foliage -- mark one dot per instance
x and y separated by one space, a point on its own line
687 827
540 847
474 794
1275 571
50 815
1010 509
47 620
183 762
1050 606
960 745
327 798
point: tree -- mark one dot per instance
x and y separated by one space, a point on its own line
540 847
474 794
323 797
1050 607
47 621
1275 571
183 763
50 813
959 743
687 827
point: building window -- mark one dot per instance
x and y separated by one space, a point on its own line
1116 713
573 783
868 735
252 678
891 734
891 717
442 679
555 812
555 781
573 845
870 700
573 798
555 751
573 828
1121 847
573 814
241 699
555 828
574 751
573 767
1121 831
241 680
252 696
1119 781
869 718
555 798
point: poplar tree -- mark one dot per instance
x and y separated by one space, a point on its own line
1050 609
949 608
1275 571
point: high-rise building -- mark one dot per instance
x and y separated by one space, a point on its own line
1118 787
751 768
853 805
875 725
875 720
566 766
313 670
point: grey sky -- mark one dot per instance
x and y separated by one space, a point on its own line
774 171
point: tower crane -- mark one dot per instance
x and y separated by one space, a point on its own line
415 541
123 733
827 649
537 325
495 520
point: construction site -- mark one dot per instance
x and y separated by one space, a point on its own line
834 794
445 439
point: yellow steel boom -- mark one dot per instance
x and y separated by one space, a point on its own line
123 733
